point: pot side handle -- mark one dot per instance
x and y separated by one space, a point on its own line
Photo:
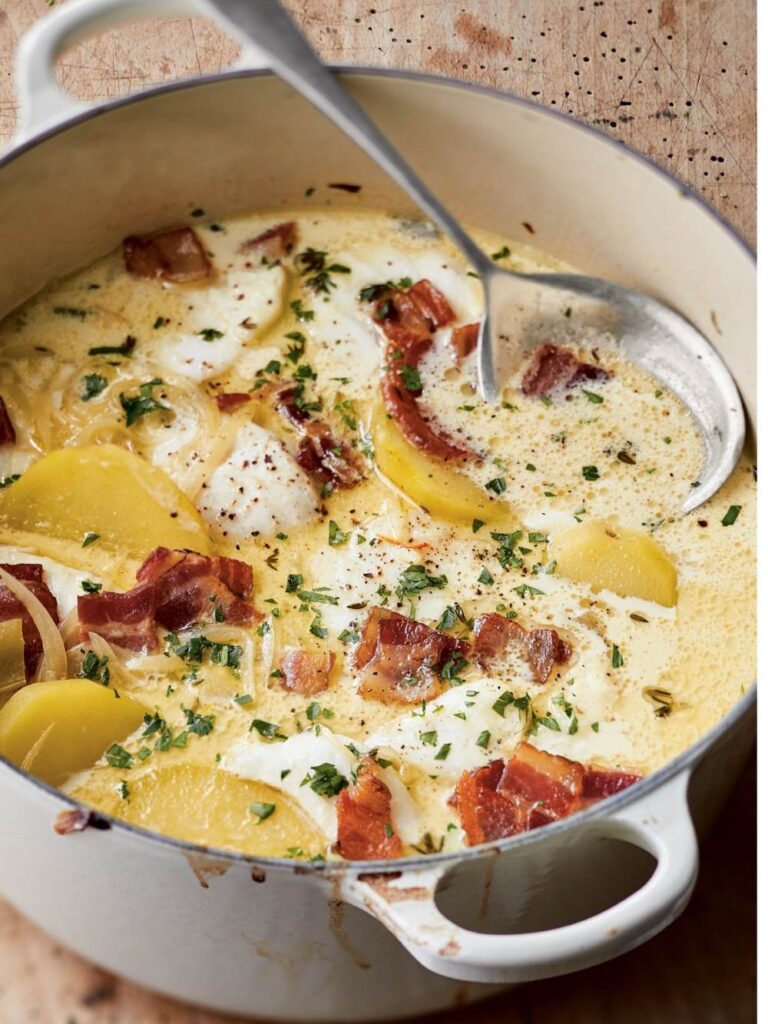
43 103
660 824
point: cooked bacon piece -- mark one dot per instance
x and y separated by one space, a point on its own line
554 368
127 620
194 588
531 789
285 403
363 814
533 777
319 453
542 648
408 319
464 340
274 243
600 783
31 575
399 659
228 401
483 813
306 672
176 255
7 433
411 315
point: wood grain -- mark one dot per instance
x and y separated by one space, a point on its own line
676 80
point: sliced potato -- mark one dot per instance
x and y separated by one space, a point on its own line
436 486
12 672
205 805
628 562
55 729
103 490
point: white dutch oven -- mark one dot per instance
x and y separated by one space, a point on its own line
359 941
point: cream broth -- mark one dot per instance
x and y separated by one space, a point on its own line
644 677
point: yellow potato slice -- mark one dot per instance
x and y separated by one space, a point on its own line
436 486
12 674
204 805
105 490
627 562
55 729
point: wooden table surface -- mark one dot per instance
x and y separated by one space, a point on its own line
672 78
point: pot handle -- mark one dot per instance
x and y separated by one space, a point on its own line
660 823
43 103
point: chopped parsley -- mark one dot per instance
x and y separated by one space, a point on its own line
502 254
443 752
302 315
497 486
89 587
314 711
317 596
591 396
126 349
268 730
200 725
590 472
410 377
314 267
95 668
731 515
193 651
294 581
136 406
8 480
325 780
483 739
616 658
336 535
119 757
415 578
89 538
485 577
93 385
262 810
210 334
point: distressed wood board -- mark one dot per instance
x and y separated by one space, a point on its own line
674 79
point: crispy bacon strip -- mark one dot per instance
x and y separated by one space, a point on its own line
319 453
542 648
364 815
399 659
306 672
464 340
175 589
408 319
553 368
176 255
127 620
31 575
531 789
276 242
194 588
7 432
228 401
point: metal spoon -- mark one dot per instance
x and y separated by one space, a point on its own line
520 306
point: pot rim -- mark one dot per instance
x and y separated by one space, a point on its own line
604 808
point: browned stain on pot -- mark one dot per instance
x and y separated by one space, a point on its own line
394 893
461 995
485 900
715 321
529 227
336 924
204 868
451 948
78 819
258 875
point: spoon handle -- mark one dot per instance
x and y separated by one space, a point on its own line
266 23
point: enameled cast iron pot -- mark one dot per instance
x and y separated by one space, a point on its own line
351 941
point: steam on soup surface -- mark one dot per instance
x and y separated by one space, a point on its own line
275 579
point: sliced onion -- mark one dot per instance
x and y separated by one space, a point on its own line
117 670
53 664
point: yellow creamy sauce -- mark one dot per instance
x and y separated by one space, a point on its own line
624 450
